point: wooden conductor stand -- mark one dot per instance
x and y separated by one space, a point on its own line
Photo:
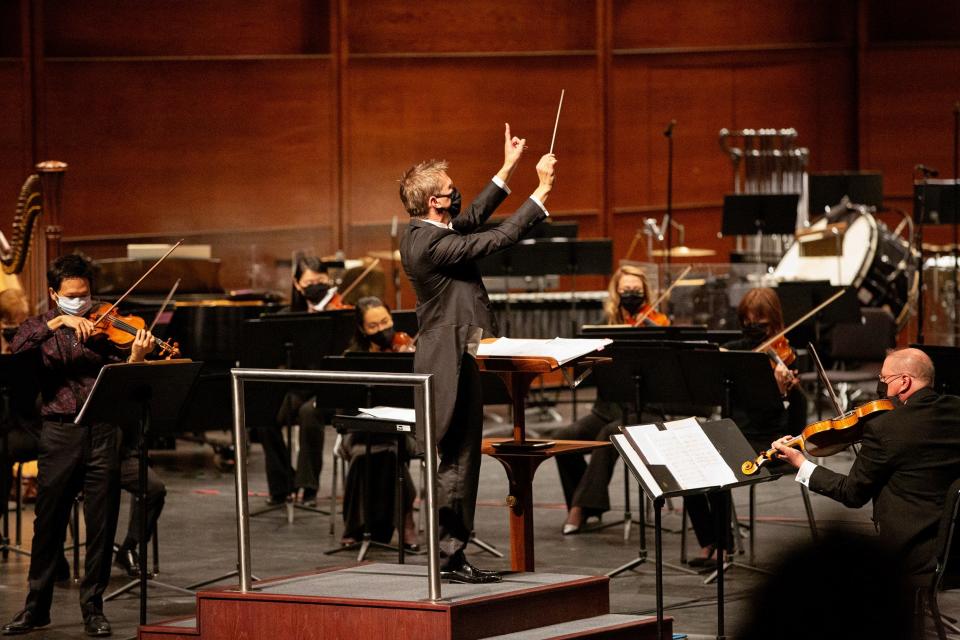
521 457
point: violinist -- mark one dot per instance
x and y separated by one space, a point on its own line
908 459
312 288
585 484
374 333
761 318
629 299
72 457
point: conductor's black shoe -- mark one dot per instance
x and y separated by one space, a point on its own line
96 625
25 622
469 574
126 559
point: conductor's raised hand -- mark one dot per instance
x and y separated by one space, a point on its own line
546 172
512 146
143 344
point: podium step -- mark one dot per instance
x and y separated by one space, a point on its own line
607 627
389 601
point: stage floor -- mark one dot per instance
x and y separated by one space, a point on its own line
198 541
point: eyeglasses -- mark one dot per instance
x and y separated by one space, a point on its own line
884 378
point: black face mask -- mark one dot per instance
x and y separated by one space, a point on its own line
881 389
455 198
383 338
314 293
631 301
755 331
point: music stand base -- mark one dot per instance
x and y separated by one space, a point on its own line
643 558
485 546
728 564
150 583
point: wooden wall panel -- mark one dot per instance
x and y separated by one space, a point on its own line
15 151
437 26
191 146
185 27
914 21
654 24
907 112
405 111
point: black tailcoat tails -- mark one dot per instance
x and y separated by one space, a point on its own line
909 458
452 304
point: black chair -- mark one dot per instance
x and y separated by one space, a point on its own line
947 574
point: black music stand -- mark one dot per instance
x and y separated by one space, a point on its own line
639 375
152 396
370 426
759 214
18 392
946 364
828 189
799 297
659 485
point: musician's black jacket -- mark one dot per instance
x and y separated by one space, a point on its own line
908 459
451 298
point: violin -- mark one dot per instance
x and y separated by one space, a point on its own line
826 437
651 318
121 330
403 343
336 302
650 309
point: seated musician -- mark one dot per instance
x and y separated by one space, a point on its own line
14 309
312 290
760 318
908 459
374 333
72 457
585 485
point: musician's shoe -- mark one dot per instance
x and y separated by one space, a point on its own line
309 498
126 558
275 501
462 571
96 625
25 622
704 561
575 520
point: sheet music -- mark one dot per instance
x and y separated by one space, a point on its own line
562 350
391 413
651 484
685 450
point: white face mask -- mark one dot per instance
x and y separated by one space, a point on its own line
75 306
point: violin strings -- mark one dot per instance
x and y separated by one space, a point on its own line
132 330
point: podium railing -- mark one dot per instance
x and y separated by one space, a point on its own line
423 407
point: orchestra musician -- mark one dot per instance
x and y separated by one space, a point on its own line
374 333
438 253
312 289
72 456
908 459
761 318
585 484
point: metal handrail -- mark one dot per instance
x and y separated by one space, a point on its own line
423 407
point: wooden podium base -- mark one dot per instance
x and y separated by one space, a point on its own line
387 601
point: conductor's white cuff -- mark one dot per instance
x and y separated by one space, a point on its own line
500 183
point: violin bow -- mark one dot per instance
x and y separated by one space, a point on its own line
360 277
137 283
826 381
793 325
663 295
163 307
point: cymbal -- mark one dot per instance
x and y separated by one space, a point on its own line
386 255
684 252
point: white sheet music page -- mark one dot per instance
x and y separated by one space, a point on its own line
641 435
637 463
562 350
688 449
391 413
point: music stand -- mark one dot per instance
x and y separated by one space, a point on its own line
827 189
639 374
759 214
799 297
151 395
18 391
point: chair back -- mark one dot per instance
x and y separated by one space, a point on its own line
948 541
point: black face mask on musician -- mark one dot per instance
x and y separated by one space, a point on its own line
631 301
755 331
383 338
454 209
314 293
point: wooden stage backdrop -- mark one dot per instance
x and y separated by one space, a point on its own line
262 126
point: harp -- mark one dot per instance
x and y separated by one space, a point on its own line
35 241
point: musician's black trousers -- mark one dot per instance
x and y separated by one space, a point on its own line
458 474
74 458
586 485
301 409
156 494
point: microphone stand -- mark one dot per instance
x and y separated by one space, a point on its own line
393 263
668 132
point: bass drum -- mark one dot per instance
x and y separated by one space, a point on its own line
880 265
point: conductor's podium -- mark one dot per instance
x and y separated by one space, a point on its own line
388 601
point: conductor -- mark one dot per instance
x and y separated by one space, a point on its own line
438 253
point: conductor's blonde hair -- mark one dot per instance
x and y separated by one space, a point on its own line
418 183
